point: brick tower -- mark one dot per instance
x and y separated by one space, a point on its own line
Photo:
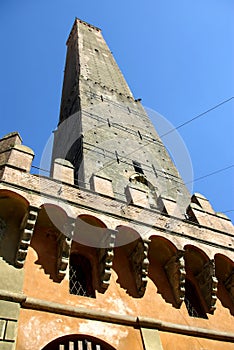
110 252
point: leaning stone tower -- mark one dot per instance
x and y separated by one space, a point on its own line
109 251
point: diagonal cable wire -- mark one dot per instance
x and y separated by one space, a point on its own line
170 131
210 174
196 117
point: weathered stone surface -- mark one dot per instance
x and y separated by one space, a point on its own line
11 277
11 329
137 196
9 310
63 171
151 339
106 255
27 228
175 270
64 241
101 185
7 346
208 284
10 140
140 264
2 329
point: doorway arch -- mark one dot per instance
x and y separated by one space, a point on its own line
77 342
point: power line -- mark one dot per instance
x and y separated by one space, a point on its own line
196 117
210 174
176 128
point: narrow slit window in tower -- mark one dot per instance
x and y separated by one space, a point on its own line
137 166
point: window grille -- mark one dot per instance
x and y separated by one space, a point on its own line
69 343
80 345
192 301
80 276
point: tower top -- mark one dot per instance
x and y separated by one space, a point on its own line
78 20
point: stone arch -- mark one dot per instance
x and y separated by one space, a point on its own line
166 269
94 242
49 235
197 258
81 341
131 261
13 217
225 275
90 231
201 283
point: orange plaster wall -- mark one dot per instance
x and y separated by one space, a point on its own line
37 329
38 284
182 342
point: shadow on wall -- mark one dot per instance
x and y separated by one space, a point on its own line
13 211
225 273
126 245
160 252
44 240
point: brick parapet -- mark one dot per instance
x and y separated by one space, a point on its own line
40 190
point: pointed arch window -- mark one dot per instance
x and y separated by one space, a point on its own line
192 301
80 276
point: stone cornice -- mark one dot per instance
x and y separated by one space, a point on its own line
127 320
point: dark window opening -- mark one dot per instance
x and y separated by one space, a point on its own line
137 167
80 276
192 301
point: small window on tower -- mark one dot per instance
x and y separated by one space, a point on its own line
137 167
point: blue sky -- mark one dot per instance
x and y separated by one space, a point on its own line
176 55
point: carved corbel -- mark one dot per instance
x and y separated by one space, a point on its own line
140 264
106 255
64 241
229 284
175 271
26 233
208 284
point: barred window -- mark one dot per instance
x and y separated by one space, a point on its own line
80 276
77 342
192 301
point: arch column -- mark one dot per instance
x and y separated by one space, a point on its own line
175 271
140 264
208 284
27 228
64 241
106 256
